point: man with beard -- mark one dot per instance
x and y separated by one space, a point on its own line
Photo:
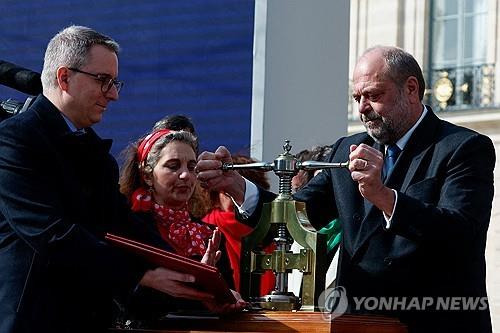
414 206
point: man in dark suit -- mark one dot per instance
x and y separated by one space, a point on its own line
59 196
414 206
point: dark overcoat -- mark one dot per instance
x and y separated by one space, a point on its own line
58 196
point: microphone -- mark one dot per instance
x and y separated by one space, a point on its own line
19 78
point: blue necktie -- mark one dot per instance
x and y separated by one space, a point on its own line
391 157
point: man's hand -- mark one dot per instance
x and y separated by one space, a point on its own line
365 164
212 254
174 284
211 176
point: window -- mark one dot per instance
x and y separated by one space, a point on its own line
460 76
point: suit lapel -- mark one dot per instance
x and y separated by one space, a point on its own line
402 174
368 204
419 148
348 198
414 152
368 224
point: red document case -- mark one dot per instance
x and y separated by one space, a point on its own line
208 278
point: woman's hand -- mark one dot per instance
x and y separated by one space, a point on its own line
212 254
174 284
226 308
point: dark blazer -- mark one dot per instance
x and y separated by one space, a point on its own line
436 243
58 196
145 307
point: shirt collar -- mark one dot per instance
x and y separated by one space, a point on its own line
72 127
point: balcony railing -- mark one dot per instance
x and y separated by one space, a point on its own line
462 88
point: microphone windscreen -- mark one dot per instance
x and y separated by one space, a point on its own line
19 78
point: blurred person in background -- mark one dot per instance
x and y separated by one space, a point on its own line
222 215
332 230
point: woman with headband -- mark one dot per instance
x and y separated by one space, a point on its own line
158 179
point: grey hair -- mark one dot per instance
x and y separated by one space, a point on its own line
70 47
154 155
400 66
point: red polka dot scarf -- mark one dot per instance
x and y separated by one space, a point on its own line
188 238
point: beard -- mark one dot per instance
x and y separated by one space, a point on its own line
389 129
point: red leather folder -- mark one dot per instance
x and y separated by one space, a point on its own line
208 278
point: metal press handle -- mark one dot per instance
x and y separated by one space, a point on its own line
265 166
316 165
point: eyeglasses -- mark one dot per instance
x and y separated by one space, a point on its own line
106 81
